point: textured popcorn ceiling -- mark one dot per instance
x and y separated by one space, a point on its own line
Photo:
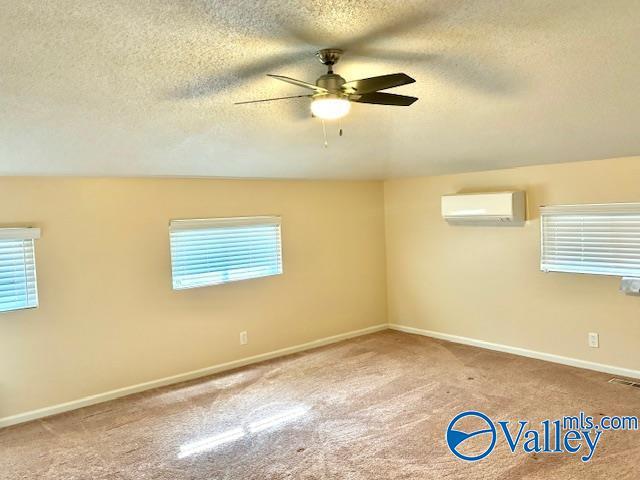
145 87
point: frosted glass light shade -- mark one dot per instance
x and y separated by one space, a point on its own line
330 108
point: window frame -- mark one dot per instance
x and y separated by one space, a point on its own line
225 222
604 209
24 234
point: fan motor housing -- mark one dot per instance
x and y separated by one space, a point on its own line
331 81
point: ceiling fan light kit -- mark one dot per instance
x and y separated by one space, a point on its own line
330 107
332 95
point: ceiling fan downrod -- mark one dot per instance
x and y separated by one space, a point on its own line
329 57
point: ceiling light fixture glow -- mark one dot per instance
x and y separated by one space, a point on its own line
330 107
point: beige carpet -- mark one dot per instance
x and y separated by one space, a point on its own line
375 407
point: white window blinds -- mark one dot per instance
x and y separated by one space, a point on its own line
18 288
220 250
601 239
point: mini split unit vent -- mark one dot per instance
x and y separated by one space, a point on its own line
496 208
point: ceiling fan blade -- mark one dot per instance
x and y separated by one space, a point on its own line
383 99
373 84
299 83
272 99
234 78
460 70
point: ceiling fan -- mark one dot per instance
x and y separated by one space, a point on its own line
332 95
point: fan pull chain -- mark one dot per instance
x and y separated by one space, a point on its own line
340 128
324 133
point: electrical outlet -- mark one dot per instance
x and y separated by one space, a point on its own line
243 338
594 341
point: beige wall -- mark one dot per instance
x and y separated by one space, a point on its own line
485 282
108 317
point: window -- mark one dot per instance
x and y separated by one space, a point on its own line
222 250
598 239
18 268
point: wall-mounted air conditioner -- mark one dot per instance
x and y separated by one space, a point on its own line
495 208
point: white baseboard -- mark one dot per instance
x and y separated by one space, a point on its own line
203 372
549 357
182 377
